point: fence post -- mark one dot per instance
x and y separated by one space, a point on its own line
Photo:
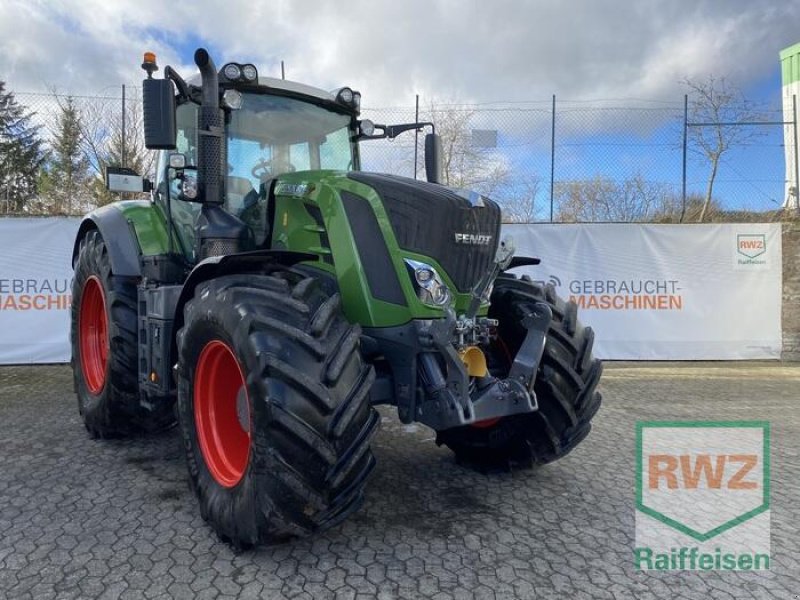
685 135
123 125
416 137
796 159
552 155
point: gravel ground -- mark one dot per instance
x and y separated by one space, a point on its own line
82 519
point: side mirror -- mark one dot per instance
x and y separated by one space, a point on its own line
433 158
123 179
158 104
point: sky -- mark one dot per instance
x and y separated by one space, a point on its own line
467 51
473 51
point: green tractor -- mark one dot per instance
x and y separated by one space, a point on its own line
279 294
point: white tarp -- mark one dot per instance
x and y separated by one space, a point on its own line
666 292
35 277
649 291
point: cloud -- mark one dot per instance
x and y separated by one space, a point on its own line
470 50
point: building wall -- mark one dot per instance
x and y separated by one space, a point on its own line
791 292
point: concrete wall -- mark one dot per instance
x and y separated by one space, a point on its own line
791 291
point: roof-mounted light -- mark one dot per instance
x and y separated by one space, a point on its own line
249 72
235 72
232 71
348 97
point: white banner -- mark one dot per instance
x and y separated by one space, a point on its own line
651 292
666 292
35 278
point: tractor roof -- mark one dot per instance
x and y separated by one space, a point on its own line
283 84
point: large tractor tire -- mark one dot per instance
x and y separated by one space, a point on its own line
104 348
273 403
565 385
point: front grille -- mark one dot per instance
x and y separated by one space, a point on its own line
425 219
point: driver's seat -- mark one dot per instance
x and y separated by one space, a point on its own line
238 192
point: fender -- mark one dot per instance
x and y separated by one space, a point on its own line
522 261
119 237
255 262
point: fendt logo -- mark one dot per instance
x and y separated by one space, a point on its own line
751 245
474 239
702 495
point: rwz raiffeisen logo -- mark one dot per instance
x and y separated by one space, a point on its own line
473 239
751 245
702 495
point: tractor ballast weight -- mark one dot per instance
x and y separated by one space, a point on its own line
279 293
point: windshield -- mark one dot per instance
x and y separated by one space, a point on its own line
290 134
271 135
267 136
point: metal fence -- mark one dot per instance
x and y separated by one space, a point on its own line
542 160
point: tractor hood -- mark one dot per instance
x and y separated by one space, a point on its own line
460 230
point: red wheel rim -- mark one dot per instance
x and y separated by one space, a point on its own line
221 406
93 335
486 423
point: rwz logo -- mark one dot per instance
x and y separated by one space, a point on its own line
751 245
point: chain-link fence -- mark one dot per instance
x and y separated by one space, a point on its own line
546 160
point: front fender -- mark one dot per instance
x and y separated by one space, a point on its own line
119 237
256 262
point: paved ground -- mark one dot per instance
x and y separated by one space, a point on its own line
84 519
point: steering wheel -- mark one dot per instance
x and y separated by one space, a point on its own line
262 170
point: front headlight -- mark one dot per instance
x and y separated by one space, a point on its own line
431 290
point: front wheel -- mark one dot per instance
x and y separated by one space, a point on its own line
565 384
273 401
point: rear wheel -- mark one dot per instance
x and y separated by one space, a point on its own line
104 348
273 401
565 384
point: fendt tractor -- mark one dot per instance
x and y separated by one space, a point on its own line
270 294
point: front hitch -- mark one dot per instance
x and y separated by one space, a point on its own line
451 401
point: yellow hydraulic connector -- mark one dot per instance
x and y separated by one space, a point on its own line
475 360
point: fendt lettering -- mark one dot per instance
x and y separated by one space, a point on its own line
689 471
473 238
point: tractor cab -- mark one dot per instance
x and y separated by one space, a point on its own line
272 129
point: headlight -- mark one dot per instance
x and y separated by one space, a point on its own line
250 73
431 290
232 71
346 95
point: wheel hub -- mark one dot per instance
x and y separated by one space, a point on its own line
222 413
93 335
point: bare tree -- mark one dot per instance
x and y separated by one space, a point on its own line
604 200
519 201
716 111
465 164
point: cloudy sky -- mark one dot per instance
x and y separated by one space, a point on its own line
467 50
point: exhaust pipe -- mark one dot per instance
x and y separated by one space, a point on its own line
218 232
210 129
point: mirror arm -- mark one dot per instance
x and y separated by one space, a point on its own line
183 88
392 131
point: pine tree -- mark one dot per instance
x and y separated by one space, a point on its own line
21 153
68 171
